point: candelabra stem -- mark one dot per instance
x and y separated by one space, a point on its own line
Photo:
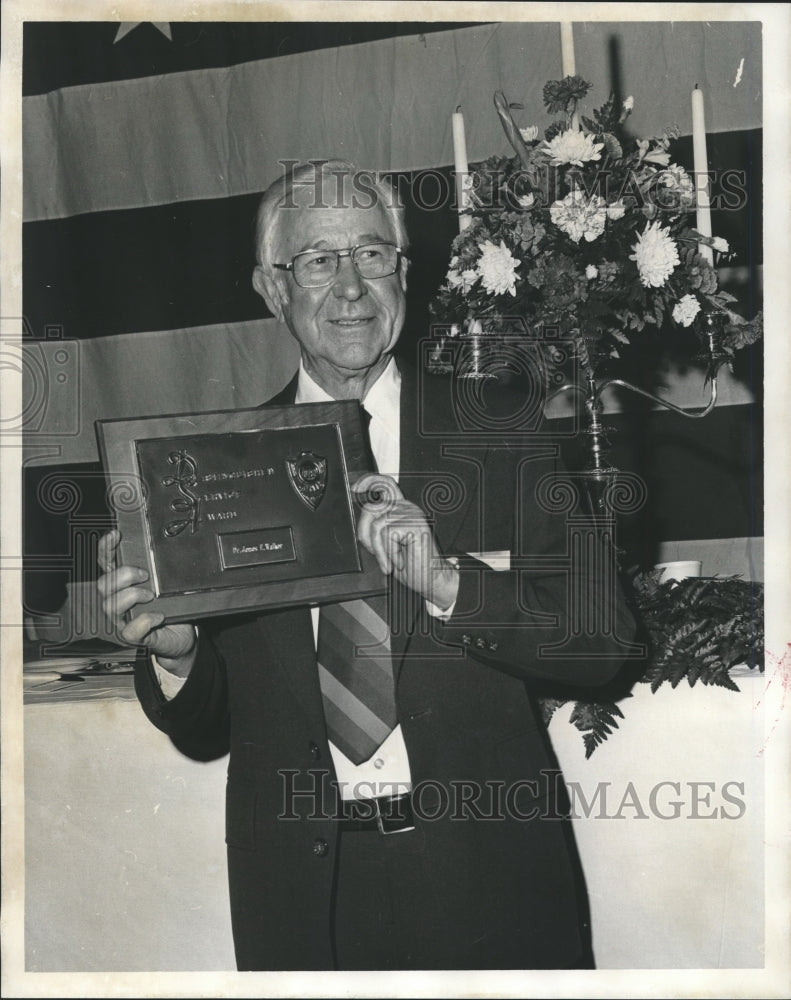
599 473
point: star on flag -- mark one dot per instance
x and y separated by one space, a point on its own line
126 26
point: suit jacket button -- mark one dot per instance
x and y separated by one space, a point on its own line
315 753
320 847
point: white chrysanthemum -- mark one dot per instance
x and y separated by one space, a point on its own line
460 279
526 200
655 254
497 268
685 310
591 272
719 244
628 104
529 134
579 216
572 146
616 211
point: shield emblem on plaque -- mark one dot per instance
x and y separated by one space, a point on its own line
308 475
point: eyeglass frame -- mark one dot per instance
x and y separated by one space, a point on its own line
347 252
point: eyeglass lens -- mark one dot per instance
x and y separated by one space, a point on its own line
318 267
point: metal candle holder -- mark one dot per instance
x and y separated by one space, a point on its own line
598 472
464 356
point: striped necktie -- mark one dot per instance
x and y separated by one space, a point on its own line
356 673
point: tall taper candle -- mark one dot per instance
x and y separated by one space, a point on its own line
567 48
703 215
461 166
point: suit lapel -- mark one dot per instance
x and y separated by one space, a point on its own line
287 394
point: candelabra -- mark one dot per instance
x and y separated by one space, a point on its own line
598 471
474 356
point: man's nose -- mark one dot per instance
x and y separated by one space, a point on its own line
348 284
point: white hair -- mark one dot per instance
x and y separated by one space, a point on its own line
280 195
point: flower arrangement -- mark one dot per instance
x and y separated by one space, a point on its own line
697 628
587 234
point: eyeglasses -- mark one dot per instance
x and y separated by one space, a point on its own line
316 268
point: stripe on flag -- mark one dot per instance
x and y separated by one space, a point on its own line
220 131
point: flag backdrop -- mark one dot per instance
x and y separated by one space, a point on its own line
147 146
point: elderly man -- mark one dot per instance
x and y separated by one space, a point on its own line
400 810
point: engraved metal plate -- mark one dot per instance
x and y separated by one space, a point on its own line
259 547
241 509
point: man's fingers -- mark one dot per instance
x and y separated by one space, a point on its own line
381 545
398 539
106 551
118 579
137 630
369 532
379 497
398 536
377 491
119 603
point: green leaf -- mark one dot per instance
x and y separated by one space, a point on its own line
554 129
606 115
548 708
511 129
596 720
613 147
722 679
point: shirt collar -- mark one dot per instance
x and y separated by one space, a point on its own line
381 401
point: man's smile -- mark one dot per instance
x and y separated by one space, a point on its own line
352 321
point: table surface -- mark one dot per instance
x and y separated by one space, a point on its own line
79 677
673 885
125 854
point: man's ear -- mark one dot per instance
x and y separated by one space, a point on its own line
270 291
402 271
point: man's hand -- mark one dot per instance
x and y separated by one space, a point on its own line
121 588
397 533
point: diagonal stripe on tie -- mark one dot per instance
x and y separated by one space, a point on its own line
346 701
365 682
347 736
374 622
369 679
356 676
335 638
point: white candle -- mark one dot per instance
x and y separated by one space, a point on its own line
461 167
567 48
703 215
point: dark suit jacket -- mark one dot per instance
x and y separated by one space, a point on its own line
464 704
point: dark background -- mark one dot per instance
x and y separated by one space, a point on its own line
704 477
